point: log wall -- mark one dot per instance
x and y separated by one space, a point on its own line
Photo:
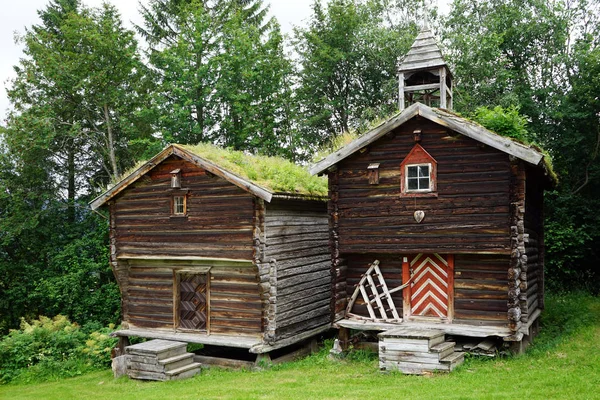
480 289
234 304
339 269
219 220
479 285
518 256
297 245
532 276
469 215
146 238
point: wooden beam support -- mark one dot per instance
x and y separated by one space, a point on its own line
401 100
443 99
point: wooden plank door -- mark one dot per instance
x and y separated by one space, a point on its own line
431 292
192 301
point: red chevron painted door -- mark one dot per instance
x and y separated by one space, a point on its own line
431 291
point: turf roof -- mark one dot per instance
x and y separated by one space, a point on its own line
275 174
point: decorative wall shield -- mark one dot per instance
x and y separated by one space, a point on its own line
419 215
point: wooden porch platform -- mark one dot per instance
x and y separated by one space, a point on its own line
254 344
241 342
452 329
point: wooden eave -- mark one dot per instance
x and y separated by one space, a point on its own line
301 197
181 152
440 117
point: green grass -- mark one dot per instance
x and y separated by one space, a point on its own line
274 173
564 363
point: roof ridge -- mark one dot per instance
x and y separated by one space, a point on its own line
442 117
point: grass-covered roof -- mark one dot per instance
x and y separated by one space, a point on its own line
263 176
275 174
502 129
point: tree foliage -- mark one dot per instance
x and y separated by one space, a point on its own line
222 75
542 57
347 64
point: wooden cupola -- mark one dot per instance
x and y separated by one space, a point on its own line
423 75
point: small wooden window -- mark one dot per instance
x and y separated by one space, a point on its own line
419 173
179 206
418 178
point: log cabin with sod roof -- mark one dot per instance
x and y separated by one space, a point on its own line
436 226
221 248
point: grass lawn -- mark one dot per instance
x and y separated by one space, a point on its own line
564 363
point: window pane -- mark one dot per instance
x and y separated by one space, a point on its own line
423 171
412 172
413 184
423 183
178 205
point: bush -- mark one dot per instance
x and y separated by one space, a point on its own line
52 348
504 121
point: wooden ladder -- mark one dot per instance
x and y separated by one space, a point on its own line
376 295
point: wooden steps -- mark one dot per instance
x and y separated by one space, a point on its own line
417 351
160 360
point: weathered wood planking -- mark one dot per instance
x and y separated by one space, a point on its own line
532 276
469 215
235 305
150 296
297 242
479 285
480 289
219 218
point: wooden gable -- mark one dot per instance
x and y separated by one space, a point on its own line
469 213
218 220
443 118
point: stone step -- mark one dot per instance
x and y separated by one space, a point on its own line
413 333
417 351
186 371
137 366
146 375
173 363
412 357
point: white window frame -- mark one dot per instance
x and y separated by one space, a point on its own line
183 205
429 189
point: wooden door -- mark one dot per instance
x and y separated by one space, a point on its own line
192 301
431 292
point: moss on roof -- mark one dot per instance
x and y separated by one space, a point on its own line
275 174
507 123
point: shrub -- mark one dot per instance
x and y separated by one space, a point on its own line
504 121
52 348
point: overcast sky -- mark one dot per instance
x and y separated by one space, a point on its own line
23 13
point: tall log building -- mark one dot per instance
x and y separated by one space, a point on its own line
436 222
204 255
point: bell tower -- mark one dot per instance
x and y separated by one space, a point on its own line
423 74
